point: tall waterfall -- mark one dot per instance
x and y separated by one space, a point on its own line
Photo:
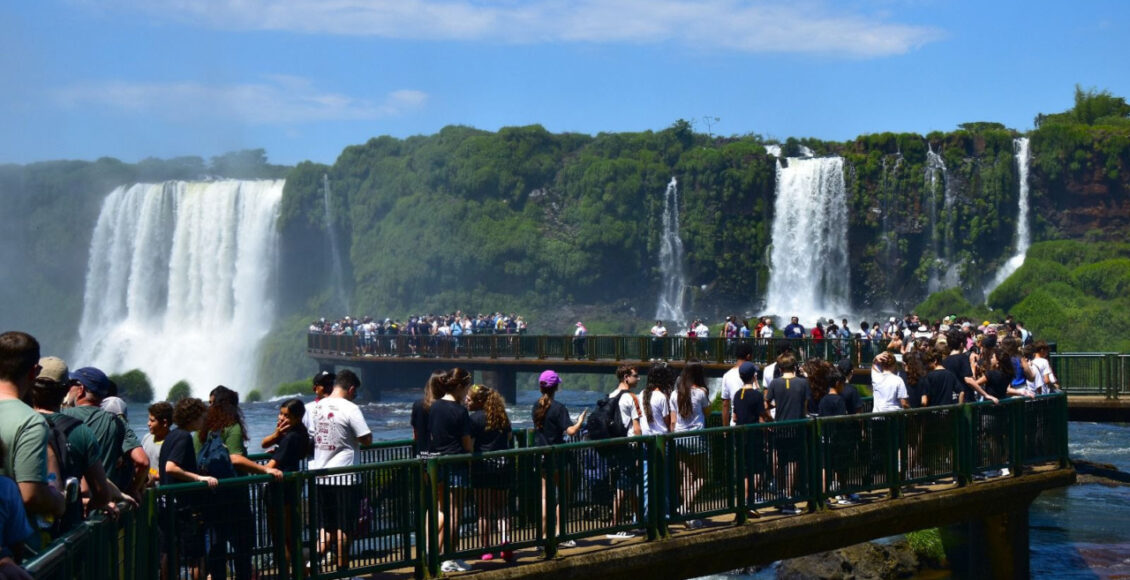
808 271
944 273
180 282
1023 236
674 280
335 251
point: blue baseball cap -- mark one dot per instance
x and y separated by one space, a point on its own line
94 380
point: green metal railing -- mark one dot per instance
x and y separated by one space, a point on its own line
592 348
392 510
1093 373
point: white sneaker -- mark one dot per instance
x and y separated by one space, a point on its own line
1005 472
623 535
789 509
454 566
567 544
842 500
694 524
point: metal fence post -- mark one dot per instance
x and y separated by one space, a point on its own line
814 466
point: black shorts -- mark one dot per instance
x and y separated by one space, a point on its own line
339 506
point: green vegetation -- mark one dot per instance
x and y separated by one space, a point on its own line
134 386
1072 292
294 388
181 390
927 544
254 396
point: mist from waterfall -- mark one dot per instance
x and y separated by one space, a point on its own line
809 275
1023 235
335 252
673 282
180 282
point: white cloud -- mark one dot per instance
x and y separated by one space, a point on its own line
774 26
277 100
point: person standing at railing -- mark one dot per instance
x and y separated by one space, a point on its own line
789 395
177 464
732 380
14 528
229 517
688 403
658 336
449 431
887 388
1045 380
492 478
293 446
338 429
579 338
749 409
655 418
420 409
551 426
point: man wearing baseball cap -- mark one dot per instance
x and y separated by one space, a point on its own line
46 397
89 386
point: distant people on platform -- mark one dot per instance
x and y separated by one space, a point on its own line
580 337
456 324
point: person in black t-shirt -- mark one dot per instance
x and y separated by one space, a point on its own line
551 425
942 387
492 477
790 394
293 446
177 464
449 429
749 408
421 437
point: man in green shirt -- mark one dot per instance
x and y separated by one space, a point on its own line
87 389
82 453
23 432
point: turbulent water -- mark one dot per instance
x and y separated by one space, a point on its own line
180 282
1023 237
809 272
670 305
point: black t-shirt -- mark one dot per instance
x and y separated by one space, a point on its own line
557 421
419 424
833 405
179 449
791 396
292 449
852 401
749 405
496 440
958 364
448 422
941 388
996 383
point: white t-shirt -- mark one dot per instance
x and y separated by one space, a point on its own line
766 331
628 409
659 413
336 424
1042 368
699 401
731 384
658 331
887 388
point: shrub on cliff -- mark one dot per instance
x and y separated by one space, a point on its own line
134 386
1107 279
1033 274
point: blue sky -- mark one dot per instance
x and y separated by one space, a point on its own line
82 79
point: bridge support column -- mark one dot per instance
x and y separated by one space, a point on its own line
990 547
504 380
370 382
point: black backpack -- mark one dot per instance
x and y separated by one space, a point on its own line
60 427
605 421
214 458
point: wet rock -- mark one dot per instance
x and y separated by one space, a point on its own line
867 561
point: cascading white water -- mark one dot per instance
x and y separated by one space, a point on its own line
1022 238
335 252
180 282
935 178
809 274
674 281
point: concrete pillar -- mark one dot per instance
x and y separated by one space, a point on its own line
504 380
990 547
371 382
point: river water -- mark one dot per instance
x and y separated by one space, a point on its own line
1076 532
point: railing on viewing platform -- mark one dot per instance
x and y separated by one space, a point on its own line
391 503
592 348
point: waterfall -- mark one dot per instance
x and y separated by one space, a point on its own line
180 282
674 281
1022 238
335 252
935 177
809 271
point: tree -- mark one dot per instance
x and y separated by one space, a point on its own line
134 386
181 390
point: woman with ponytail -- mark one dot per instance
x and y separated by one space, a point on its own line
551 425
420 409
449 430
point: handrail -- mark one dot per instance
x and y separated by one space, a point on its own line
269 523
